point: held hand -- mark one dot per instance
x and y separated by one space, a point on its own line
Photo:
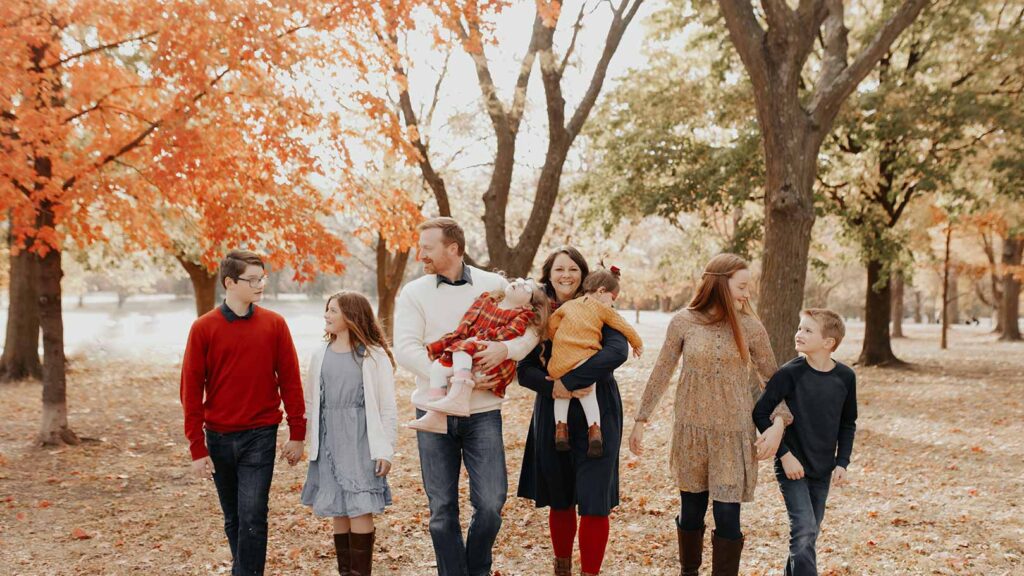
382 468
292 452
839 477
636 439
484 381
792 467
558 390
638 352
493 354
767 444
203 468
583 391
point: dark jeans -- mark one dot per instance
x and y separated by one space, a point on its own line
693 506
475 440
805 503
243 465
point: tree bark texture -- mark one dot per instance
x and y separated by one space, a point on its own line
390 271
21 346
1013 246
877 348
204 285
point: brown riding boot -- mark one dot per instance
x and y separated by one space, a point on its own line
725 556
563 566
561 436
691 550
595 442
342 551
361 546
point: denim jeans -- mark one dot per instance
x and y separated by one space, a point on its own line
475 440
243 465
805 504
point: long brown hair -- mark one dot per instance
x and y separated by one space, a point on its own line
363 327
714 300
545 270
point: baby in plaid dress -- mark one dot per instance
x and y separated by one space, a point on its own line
493 317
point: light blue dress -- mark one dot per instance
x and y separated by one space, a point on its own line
341 481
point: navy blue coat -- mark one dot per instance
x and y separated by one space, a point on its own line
566 479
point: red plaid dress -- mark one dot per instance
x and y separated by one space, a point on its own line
486 322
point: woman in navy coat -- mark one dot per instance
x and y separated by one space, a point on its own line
565 481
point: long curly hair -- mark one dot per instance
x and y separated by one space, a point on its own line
363 327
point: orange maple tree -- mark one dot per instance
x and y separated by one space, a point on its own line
180 123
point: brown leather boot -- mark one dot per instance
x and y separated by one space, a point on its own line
342 551
691 550
725 556
563 566
361 547
595 442
561 436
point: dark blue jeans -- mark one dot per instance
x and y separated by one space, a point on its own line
475 440
805 502
243 465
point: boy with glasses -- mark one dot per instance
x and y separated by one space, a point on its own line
239 365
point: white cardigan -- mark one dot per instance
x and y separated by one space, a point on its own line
378 393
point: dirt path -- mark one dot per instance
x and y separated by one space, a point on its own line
936 488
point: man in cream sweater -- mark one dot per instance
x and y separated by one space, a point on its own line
428 308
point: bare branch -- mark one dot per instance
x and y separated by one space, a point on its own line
748 38
430 175
834 40
99 48
576 27
826 102
621 19
437 91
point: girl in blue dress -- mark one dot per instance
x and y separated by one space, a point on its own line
350 408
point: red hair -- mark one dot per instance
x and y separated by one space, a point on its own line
713 298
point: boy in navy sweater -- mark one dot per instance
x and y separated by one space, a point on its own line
815 450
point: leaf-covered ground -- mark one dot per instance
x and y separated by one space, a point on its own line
936 486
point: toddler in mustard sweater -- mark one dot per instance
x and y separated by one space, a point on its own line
575 332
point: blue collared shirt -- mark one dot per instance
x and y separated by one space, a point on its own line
466 278
230 315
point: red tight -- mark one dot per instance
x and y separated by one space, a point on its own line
593 532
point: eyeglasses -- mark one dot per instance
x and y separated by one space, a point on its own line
253 282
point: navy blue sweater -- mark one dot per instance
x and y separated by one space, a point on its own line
824 406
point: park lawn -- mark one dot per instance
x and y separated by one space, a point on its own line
936 480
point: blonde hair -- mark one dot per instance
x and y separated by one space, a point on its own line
831 324
714 300
539 303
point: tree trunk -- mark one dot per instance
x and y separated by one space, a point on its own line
945 289
21 347
877 349
1013 247
917 307
390 271
204 285
791 147
897 305
953 304
54 429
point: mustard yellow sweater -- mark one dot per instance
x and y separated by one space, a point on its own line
575 332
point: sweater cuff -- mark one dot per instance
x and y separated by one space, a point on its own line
783 450
297 432
198 450
844 462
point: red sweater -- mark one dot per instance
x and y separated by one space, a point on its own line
245 367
